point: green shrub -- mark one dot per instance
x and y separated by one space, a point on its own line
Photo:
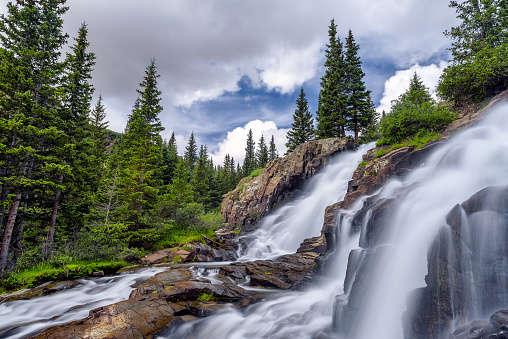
409 119
255 173
477 78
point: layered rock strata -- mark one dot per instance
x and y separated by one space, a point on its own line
279 181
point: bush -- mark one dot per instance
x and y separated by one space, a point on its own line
478 78
408 119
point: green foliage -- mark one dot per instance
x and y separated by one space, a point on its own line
255 173
412 113
363 163
479 49
272 152
203 296
302 128
480 77
53 271
249 163
410 119
262 152
420 139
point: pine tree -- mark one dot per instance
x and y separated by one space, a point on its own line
358 110
302 128
191 153
249 163
180 191
331 119
31 38
97 126
169 161
86 167
261 153
272 152
142 152
200 182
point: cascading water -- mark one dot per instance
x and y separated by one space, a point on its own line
282 231
391 261
20 318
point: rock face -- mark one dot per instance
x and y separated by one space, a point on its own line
164 299
280 180
494 328
191 253
293 271
466 271
369 178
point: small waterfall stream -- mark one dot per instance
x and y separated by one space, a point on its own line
20 318
282 231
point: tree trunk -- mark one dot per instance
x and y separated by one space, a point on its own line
51 232
356 130
6 242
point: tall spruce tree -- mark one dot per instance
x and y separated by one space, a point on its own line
191 153
272 152
302 128
31 39
249 163
331 118
358 109
200 182
86 167
97 126
261 153
142 152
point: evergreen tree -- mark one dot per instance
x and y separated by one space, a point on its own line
191 153
359 113
97 126
478 68
169 161
331 118
249 164
180 191
302 128
272 152
200 182
261 153
31 38
172 142
86 167
142 151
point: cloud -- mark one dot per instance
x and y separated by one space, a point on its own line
399 83
236 140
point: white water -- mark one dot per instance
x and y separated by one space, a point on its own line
472 160
20 318
283 230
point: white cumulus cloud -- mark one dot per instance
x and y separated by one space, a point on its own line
236 140
399 83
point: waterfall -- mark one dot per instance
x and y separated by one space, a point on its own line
282 231
20 318
380 274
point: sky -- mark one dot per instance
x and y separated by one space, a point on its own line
227 66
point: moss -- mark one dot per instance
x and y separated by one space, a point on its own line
363 163
177 259
256 173
168 287
203 296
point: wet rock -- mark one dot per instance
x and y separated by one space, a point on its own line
145 315
369 178
466 271
293 271
44 289
280 180
162 281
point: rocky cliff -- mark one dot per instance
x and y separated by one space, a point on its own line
279 181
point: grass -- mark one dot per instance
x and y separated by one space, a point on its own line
363 163
44 272
419 140
256 172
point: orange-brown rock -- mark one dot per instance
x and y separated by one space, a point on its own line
145 315
279 181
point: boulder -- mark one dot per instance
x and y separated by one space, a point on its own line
279 181
145 315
